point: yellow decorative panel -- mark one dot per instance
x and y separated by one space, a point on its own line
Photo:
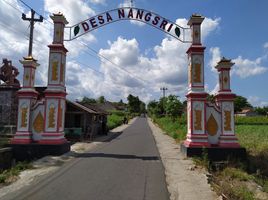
55 70
24 113
227 121
51 117
212 126
196 34
38 124
60 116
27 77
198 119
197 73
61 72
225 79
190 73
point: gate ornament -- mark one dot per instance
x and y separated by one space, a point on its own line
212 126
38 124
129 13
8 73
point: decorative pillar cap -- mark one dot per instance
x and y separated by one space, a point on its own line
29 61
195 19
29 58
59 17
224 64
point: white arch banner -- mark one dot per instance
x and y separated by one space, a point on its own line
129 13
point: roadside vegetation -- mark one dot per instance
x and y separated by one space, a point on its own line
231 179
115 119
10 175
135 107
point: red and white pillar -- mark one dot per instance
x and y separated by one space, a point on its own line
196 96
27 96
225 100
55 93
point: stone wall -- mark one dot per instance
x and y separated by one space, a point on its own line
8 106
5 158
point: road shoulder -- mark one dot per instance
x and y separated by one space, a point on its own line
183 180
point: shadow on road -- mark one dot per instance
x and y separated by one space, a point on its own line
117 156
114 135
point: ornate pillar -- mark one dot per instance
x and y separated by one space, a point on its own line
27 97
196 96
56 92
225 100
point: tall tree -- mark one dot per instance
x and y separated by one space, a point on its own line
101 99
133 104
88 100
173 106
240 103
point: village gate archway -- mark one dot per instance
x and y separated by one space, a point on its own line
41 119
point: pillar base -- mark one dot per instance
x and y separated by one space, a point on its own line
22 138
214 153
34 151
228 141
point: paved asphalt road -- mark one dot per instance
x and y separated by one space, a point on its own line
126 168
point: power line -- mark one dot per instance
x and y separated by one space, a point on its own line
93 50
116 65
12 6
3 24
25 4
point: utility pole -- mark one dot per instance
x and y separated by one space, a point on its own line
131 3
32 20
164 91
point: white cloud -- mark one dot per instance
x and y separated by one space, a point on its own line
257 101
208 26
13 34
215 57
74 10
167 66
126 3
215 90
265 45
245 68
139 23
103 2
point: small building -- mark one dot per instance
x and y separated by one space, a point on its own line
246 112
84 121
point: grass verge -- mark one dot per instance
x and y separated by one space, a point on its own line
236 181
10 175
174 128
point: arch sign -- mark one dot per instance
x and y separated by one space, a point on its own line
129 13
41 116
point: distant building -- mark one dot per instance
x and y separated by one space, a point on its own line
246 112
84 121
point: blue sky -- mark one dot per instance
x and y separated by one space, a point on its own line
235 29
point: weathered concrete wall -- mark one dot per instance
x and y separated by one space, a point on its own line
8 106
5 158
